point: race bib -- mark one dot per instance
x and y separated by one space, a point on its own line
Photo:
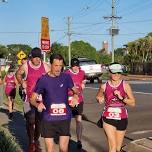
58 109
113 113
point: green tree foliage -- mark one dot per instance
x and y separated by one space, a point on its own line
83 49
119 55
78 49
3 51
14 49
140 50
103 58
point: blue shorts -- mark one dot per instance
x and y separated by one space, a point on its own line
119 124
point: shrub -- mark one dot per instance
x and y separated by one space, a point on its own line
8 142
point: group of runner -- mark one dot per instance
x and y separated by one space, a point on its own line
53 96
46 105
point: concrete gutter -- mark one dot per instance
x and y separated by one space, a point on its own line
140 145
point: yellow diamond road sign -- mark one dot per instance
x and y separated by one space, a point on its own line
21 55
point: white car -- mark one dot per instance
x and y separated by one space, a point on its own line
92 69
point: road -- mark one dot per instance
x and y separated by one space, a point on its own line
140 124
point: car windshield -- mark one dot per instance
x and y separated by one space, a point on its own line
87 62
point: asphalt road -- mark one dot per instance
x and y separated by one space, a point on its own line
140 124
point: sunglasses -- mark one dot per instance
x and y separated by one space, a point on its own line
116 73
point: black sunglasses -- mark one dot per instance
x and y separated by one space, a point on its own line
116 72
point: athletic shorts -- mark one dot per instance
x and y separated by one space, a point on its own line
11 93
77 110
119 124
52 129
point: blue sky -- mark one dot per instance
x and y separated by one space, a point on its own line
20 21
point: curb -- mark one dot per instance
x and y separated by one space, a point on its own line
140 145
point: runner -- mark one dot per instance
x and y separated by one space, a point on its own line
78 77
22 91
1 89
10 83
116 93
33 70
56 113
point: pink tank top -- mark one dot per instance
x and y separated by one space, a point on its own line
32 76
77 78
114 108
10 83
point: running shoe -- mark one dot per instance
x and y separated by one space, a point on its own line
79 145
31 148
38 147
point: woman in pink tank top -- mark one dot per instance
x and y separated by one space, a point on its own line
10 90
115 94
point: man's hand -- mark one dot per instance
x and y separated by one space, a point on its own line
24 84
41 107
74 101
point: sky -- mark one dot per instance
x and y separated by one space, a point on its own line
20 21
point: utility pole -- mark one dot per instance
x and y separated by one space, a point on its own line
113 30
69 39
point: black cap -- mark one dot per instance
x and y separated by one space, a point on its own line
74 62
36 52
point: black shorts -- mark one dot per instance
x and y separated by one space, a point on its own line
13 93
119 124
77 110
52 129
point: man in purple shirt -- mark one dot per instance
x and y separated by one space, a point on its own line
56 113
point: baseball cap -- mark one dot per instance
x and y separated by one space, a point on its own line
36 52
115 68
74 62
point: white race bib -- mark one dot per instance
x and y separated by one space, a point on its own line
114 113
58 109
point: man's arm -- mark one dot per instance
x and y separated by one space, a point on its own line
39 105
19 75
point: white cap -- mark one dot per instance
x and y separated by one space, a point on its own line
115 68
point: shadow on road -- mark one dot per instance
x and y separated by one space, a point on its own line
16 126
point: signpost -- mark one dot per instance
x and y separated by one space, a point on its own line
45 37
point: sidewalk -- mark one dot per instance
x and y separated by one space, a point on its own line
140 145
137 77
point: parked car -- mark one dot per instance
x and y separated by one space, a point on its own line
92 69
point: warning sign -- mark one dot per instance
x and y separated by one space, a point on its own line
21 55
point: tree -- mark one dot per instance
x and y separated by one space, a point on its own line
3 51
83 49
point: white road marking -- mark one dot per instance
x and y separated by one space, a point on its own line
141 132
